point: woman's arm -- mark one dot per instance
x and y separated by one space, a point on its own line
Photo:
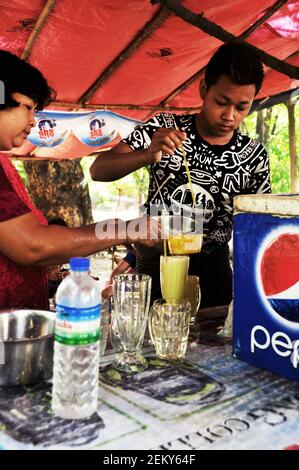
27 242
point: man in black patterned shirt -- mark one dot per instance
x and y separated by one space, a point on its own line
222 163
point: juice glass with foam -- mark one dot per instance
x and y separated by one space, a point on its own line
173 276
183 234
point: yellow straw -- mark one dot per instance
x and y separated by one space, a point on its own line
164 239
187 170
165 247
163 216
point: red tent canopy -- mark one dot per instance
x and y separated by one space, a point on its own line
136 57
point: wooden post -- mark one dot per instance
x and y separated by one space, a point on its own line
292 146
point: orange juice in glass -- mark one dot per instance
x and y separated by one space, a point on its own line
182 234
173 276
185 243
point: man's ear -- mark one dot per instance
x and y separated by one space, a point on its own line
202 89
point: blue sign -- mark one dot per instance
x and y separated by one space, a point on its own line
266 292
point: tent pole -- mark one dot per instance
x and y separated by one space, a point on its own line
136 42
106 107
243 36
215 30
47 9
268 13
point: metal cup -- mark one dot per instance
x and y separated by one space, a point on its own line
26 346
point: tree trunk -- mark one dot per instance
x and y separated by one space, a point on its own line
56 191
263 126
260 131
267 125
292 146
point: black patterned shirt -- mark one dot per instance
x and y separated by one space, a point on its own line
218 173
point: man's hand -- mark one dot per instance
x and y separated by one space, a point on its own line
164 142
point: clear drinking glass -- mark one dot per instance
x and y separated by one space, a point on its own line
131 297
173 276
114 335
169 324
193 295
184 234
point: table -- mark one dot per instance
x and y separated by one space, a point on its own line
210 401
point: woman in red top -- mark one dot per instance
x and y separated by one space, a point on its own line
27 243
20 286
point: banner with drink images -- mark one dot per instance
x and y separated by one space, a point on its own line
94 129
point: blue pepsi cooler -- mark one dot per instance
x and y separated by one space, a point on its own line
266 282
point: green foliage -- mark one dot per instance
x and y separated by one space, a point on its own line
278 150
19 165
277 145
104 194
141 178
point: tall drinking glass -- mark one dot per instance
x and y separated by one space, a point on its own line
173 276
131 297
193 295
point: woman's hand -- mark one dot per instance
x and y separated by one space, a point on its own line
145 230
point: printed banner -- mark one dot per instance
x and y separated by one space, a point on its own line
93 129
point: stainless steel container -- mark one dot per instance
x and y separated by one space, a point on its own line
26 346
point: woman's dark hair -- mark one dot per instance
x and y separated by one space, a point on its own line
239 62
18 76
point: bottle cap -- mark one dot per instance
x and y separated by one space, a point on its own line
79 264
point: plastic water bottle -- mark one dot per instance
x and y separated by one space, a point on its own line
76 349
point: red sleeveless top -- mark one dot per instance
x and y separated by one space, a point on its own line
20 286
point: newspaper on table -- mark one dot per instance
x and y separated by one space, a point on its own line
210 401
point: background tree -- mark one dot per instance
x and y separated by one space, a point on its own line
270 127
56 189
141 178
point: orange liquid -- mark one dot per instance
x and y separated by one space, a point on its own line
185 244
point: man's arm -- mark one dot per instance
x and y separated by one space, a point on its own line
118 162
27 242
122 160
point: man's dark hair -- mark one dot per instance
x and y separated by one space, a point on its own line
18 76
239 62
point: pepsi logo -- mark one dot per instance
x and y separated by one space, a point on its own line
278 268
